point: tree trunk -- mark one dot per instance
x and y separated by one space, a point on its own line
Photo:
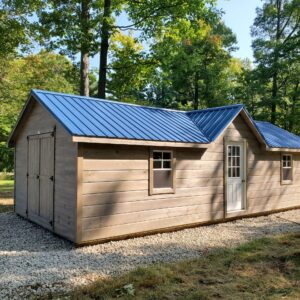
84 74
293 112
275 64
196 92
105 35
274 97
84 55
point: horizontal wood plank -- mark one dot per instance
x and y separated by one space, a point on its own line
119 230
144 205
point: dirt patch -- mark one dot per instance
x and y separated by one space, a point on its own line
6 205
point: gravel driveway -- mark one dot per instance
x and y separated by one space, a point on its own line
34 262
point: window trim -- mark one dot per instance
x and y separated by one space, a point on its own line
286 182
157 191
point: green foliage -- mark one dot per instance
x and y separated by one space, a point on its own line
59 26
188 56
129 70
276 32
6 158
46 71
16 30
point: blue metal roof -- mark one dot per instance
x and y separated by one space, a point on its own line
90 117
277 137
212 121
84 116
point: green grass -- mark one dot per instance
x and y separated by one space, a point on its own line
6 195
268 268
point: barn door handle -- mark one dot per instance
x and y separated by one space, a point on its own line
51 178
51 223
37 176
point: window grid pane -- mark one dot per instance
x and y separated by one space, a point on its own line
286 161
287 168
162 169
162 160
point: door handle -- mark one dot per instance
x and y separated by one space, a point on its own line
243 180
37 176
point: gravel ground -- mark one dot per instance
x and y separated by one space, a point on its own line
34 262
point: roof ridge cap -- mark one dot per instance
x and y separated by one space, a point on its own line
217 108
35 91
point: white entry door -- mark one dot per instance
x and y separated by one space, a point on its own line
235 176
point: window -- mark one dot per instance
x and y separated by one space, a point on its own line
162 172
287 168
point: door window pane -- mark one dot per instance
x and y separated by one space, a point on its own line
157 164
167 164
157 155
167 155
234 161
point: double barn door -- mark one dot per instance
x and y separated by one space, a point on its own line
40 179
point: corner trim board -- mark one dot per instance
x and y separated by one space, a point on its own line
78 206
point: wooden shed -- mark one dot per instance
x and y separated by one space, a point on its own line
95 170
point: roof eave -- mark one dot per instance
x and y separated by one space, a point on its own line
277 149
117 141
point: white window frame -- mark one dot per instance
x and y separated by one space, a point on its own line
152 189
283 155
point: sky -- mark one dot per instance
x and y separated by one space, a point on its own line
238 15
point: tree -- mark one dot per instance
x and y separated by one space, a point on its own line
188 55
45 70
130 69
71 27
194 54
105 35
145 16
15 32
276 45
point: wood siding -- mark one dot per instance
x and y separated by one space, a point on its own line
38 121
115 186
264 189
116 198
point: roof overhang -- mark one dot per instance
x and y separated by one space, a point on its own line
116 141
283 149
